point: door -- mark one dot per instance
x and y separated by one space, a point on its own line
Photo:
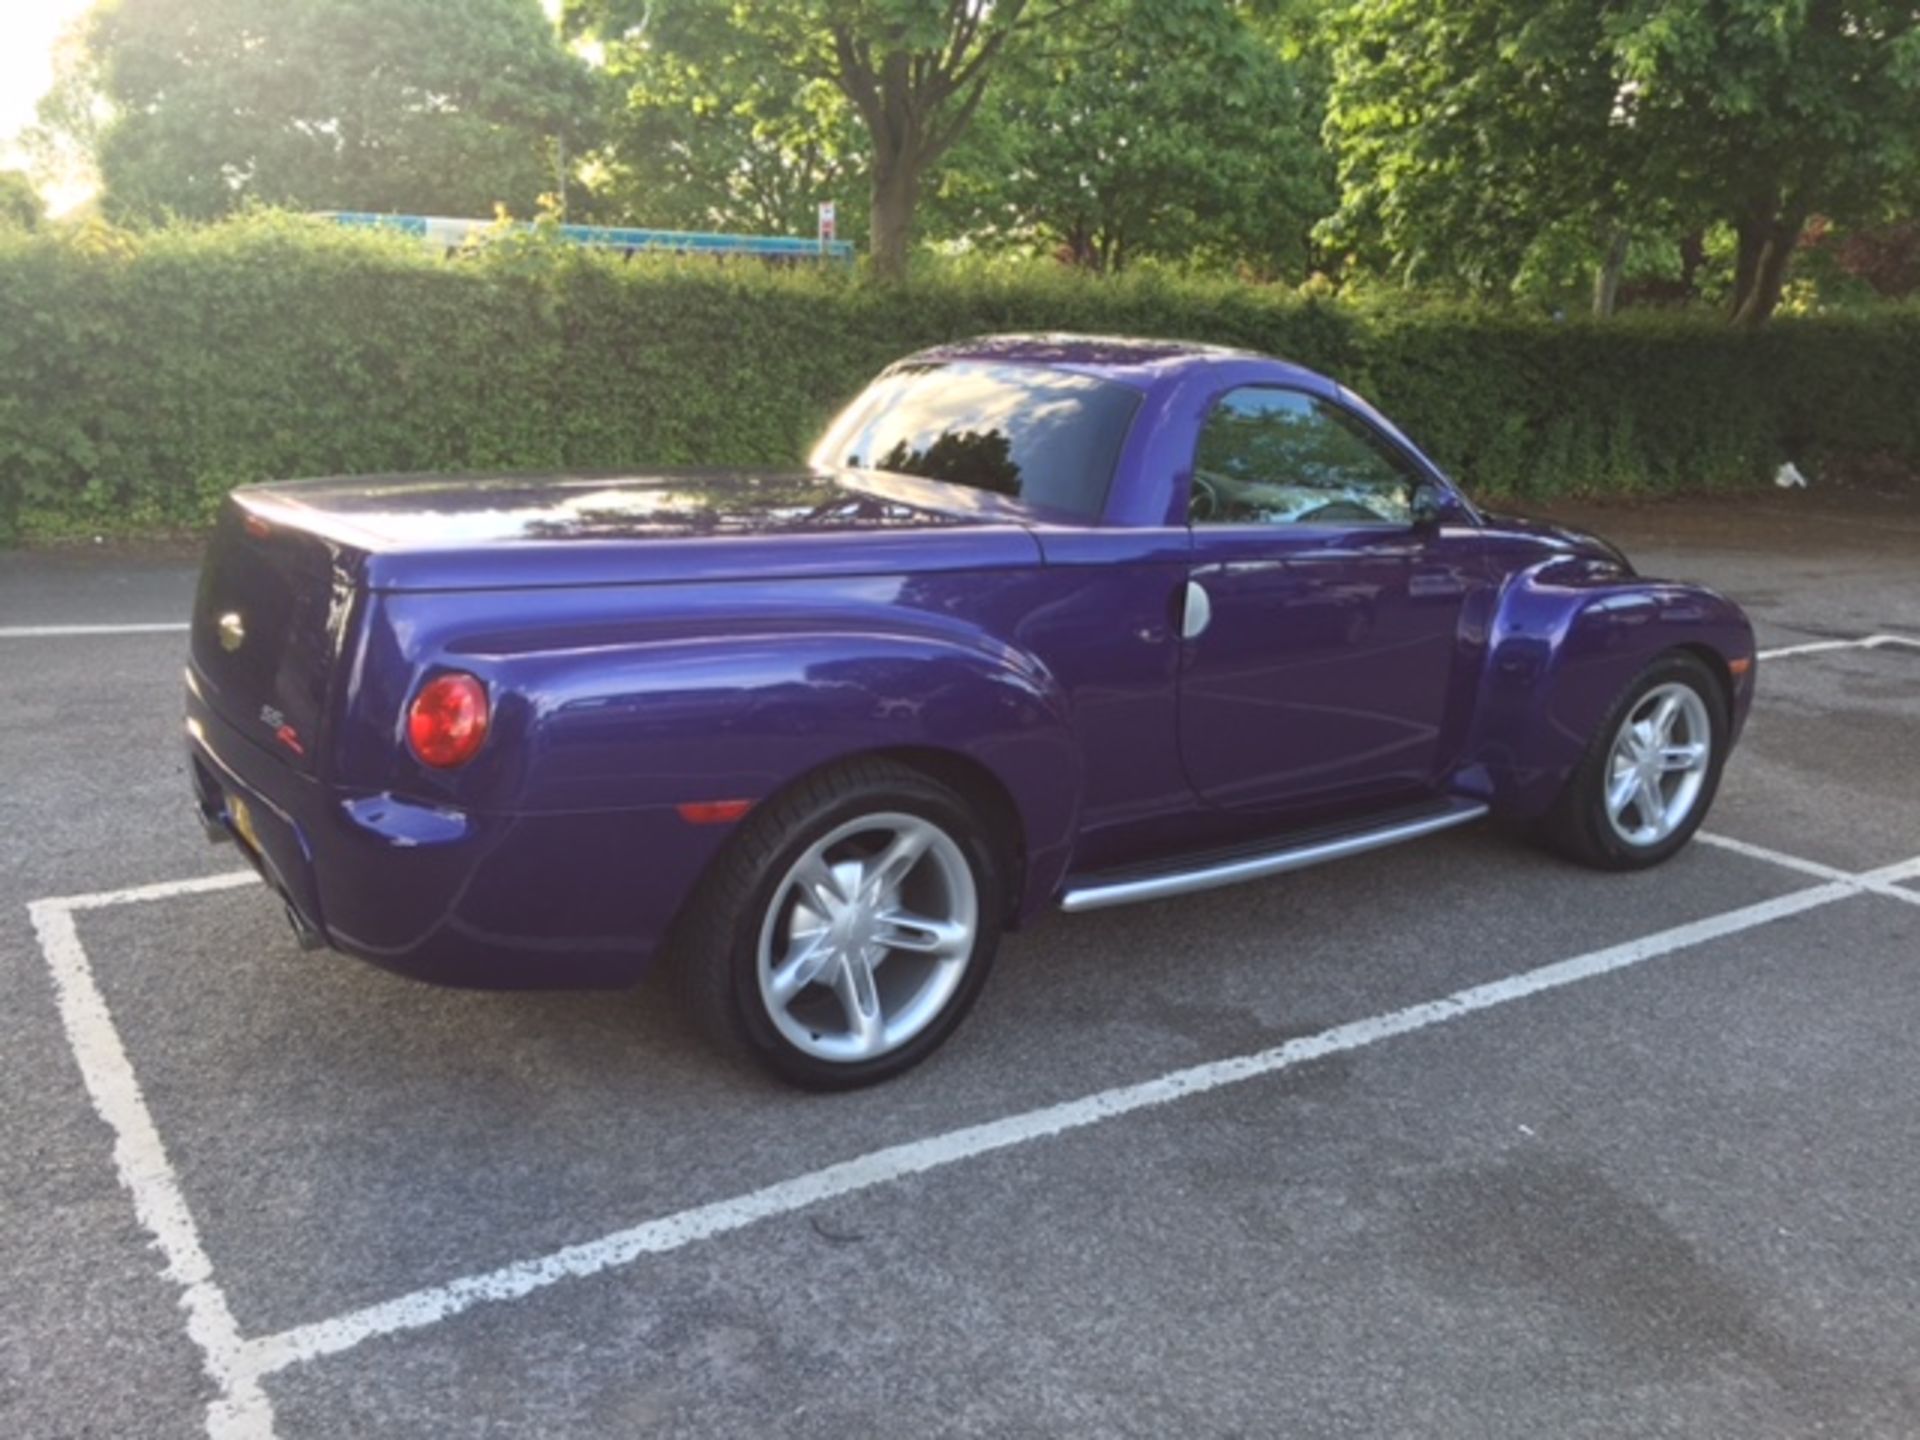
1323 621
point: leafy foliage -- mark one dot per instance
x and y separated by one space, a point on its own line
1139 131
444 107
709 131
913 71
20 205
1884 257
1766 112
1472 132
142 376
1674 151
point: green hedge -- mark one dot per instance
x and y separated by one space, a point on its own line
140 377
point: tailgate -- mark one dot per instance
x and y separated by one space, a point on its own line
269 624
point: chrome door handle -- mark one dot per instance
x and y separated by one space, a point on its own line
1197 613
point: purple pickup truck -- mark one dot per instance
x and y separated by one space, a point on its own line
1049 621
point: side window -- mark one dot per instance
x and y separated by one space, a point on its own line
1269 456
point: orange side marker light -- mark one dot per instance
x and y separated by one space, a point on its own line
713 812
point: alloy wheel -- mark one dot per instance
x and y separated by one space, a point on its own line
867 937
1657 766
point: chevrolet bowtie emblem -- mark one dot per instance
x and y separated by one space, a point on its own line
232 631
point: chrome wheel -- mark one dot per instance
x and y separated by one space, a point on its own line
867 937
1658 764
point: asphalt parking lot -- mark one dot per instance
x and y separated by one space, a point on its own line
1451 1139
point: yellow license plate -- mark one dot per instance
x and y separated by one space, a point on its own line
242 817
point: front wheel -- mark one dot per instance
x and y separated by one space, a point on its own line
846 931
1650 773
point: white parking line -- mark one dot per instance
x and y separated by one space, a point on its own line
163 890
1883 881
57 632
1816 647
435 1303
241 1411
238 1365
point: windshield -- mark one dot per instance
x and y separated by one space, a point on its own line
1043 436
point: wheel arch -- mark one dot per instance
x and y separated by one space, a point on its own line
669 721
985 793
1717 666
1566 639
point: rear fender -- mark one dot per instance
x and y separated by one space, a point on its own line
713 698
1567 637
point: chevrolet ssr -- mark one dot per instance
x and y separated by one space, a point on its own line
1048 621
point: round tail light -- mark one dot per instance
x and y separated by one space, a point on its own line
447 722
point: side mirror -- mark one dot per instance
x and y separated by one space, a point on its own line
1427 506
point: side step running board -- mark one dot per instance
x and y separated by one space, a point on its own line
1096 893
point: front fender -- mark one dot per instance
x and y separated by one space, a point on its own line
1568 636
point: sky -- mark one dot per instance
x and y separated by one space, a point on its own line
28 29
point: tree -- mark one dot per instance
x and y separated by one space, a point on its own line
1472 135
20 206
706 133
913 71
1129 137
1885 258
1469 132
438 106
1764 113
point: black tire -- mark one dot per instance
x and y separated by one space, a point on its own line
1578 825
716 946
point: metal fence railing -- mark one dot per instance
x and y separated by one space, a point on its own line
448 233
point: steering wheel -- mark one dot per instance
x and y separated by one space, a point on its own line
1337 510
1203 499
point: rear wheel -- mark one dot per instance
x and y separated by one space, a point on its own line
1650 773
848 928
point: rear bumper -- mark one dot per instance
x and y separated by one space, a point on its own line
278 849
534 901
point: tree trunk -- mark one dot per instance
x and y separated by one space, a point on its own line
1693 254
1760 265
1106 247
1080 244
1606 280
1746 260
914 104
896 194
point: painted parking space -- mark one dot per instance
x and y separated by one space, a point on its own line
503 1101
238 1363
1209 1163
1819 770
1509 1227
